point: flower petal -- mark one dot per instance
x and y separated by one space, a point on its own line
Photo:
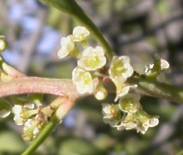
92 58
80 33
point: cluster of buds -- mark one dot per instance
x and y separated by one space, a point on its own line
130 115
31 117
92 68
30 114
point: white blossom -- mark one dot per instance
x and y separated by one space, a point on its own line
30 130
17 111
122 89
80 33
92 58
111 114
67 46
120 69
83 81
164 64
23 112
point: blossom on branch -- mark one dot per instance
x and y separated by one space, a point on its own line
83 81
92 58
80 33
67 46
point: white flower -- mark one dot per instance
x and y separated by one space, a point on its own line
92 58
122 89
120 69
108 111
80 33
67 45
30 130
83 81
111 114
154 121
164 64
148 69
17 111
130 103
23 112
145 121
127 123
140 120
151 68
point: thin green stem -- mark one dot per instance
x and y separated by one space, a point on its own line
41 137
159 89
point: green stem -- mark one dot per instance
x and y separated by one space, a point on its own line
41 137
161 90
71 7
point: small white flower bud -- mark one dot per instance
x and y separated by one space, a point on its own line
101 93
153 122
67 45
30 130
17 110
80 33
164 64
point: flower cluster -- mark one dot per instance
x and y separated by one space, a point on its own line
89 78
91 60
32 117
26 116
94 74
128 114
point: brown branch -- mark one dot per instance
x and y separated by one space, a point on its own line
26 85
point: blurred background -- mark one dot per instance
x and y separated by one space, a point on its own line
138 28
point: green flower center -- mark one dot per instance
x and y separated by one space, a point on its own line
93 62
118 68
86 78
129 105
